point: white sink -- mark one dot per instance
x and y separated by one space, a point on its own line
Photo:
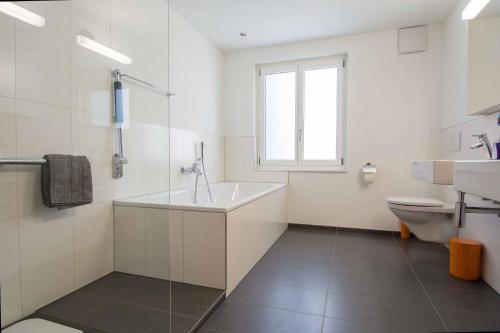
480 178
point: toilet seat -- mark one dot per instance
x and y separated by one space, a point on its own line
39 326
420 205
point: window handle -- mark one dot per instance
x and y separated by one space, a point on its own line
300 134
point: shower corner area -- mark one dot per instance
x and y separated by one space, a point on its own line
135 88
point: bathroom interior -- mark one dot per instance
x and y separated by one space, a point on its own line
249 166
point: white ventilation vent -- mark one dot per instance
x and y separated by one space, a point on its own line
412 40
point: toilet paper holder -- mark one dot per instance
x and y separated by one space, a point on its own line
369 168
368 172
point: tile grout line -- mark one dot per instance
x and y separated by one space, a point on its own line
421 285
328 283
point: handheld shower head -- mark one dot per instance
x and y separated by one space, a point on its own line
202 150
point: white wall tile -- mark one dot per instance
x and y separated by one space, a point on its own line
42 55
90 71
97 10
47 271
130 239
176 246
8 175
7 56
93 242
154 160
42 129
204 249
131 183
10 277
240 163
158 243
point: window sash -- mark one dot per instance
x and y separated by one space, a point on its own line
300 67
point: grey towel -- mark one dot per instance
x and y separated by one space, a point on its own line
66 181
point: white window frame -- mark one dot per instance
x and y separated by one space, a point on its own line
299 67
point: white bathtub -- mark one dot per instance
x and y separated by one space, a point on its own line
167 236
226 197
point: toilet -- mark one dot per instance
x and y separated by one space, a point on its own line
37 325
428 219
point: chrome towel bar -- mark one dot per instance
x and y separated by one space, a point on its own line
22 161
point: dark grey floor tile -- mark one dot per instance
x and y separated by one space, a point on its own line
469 322
305 243
233 317
397 293
392 309
116 317
186 299
72 307
112 284
425 256
283 297
372 326
445 280
283 271
193 300
153 293
374 273
465 300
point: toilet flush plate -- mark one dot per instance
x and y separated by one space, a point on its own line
480 178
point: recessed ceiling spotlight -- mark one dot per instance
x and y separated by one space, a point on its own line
243 34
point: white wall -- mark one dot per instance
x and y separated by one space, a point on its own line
455 121
55 98
393 115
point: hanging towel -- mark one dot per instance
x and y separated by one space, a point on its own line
66 181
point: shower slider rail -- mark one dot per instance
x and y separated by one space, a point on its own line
118 75
22 161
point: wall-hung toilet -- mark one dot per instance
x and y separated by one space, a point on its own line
428 219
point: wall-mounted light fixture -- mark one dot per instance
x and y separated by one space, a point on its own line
101 49
22 14
473 9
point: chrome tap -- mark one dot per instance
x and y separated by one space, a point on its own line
192 169
484 143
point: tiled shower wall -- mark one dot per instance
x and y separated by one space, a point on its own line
55 98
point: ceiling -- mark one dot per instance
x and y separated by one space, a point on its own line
269 22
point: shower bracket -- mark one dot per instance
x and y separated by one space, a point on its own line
118 163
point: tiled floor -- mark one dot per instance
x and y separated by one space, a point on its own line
324 280
123 303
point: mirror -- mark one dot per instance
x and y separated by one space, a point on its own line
484 61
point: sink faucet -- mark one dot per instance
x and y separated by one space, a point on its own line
484 143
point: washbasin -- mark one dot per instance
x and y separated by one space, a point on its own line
480 178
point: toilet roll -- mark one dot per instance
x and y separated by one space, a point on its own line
369 171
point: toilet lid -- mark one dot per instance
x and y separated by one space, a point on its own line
420 202
39 326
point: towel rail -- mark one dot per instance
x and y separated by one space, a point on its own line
22 161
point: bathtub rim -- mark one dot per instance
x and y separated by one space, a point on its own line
127 202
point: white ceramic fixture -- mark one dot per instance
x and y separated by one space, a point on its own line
428 219
39 326
480 178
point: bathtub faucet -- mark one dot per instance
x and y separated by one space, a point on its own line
192 169
197 171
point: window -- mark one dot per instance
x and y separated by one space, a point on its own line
300 114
